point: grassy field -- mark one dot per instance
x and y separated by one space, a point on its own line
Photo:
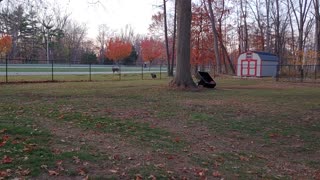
80 77
244 129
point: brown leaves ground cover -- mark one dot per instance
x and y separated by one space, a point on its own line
150 131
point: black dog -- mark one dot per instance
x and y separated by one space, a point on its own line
153 75
115 69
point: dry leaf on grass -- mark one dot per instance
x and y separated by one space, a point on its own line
53 173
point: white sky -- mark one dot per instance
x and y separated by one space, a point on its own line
116 14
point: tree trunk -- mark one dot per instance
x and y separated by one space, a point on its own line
244 13
174 38
215 35
166 35
278 38
268 25
317 31
183 76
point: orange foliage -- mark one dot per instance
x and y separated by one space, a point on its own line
152 49
201 37
118 49
5 45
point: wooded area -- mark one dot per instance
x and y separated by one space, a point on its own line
220 31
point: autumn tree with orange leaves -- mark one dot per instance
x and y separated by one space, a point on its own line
201 40
5 45
118 49
152 49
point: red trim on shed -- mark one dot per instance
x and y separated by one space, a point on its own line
249 67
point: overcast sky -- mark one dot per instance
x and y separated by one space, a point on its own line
115 13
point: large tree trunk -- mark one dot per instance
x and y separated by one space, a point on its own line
183 76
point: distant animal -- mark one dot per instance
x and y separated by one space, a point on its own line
153 75
115 69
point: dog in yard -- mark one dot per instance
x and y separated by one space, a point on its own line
115 69
153 75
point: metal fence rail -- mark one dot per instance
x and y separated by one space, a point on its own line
11 71
17 70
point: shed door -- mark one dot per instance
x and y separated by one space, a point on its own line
249 67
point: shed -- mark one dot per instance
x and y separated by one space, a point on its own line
257 64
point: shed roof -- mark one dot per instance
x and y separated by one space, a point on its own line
265 56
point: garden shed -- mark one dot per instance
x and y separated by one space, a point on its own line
257 64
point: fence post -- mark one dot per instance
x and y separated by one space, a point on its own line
142 66
315 72
301 73
160 70
278 72
7 69
89 71
52 70
120 72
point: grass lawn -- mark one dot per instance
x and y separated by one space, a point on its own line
142 129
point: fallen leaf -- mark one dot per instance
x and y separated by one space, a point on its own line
59 162
56 151
113 171
152 177
61 116
3 131
5 138
6 160
53 173
138 177
216 174
170 172
242 158
317 175
82 171
116 157
3 174
28 149
177 140
273 135
86 178
76 159
3 143
44 166
24 172
170 157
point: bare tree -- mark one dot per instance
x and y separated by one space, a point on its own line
166 35
215 34
256 9
183 76
128 34
268 33
244 40
74 36
301 21
101 39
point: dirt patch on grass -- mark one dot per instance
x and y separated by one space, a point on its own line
122 157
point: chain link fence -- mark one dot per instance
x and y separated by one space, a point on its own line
24 70
15 70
